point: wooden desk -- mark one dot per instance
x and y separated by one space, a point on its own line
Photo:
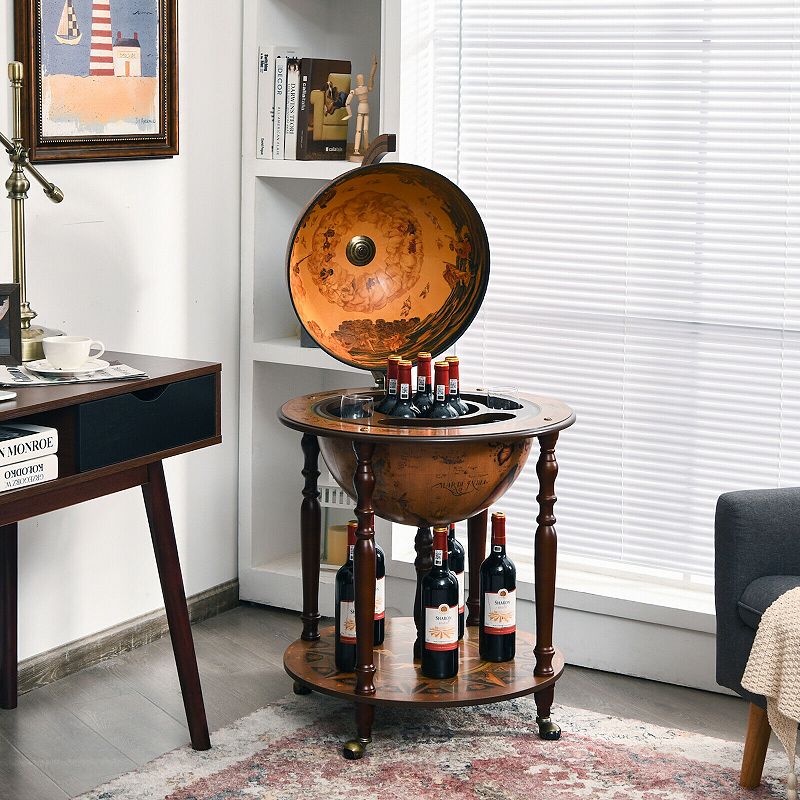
114 436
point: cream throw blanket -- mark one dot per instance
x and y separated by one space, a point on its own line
773 670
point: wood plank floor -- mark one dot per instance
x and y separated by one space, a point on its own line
70 736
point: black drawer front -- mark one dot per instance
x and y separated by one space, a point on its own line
148 421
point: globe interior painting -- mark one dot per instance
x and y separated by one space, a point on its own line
100 67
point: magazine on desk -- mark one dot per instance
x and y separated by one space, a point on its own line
20 376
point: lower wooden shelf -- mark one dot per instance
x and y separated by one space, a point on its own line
399 679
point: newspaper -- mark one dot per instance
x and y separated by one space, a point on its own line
21 376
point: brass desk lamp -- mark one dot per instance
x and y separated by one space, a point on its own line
18 185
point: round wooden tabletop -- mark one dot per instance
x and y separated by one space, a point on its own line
315 413
398 678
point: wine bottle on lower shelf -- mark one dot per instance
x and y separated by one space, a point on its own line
440 608
455 559
423 398
380 596
454 387
345 609
441 408
498 582
387 404
404 407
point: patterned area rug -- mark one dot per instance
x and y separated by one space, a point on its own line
292 750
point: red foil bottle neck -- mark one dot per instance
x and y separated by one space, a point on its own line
499 529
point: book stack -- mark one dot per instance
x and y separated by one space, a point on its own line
27 455
301 106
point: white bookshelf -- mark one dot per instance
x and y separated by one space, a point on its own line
274 368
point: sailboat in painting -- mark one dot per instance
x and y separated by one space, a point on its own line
68 31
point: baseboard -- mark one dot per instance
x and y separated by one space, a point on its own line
61 661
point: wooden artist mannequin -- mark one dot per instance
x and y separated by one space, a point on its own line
361 91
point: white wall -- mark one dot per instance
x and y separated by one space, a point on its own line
143 255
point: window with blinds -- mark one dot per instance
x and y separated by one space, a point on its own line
636 165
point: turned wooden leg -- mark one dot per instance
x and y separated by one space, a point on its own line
156 502
364 568
545 579
755 747
423 563
8 616
310 539
476 553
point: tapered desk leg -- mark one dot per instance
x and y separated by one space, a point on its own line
156 501
476 553
8 616
545 578
364 577
423 563
310 539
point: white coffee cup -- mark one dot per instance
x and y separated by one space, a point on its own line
70 352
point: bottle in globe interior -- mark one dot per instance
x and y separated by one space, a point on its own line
423 397
404 407
498 594
439 596
379 629
441 408
345 608
455 558
454 387
387 404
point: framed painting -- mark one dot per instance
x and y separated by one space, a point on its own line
10 330
100 78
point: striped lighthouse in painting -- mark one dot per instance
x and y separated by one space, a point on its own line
101 57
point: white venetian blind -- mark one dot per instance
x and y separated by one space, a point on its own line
636 165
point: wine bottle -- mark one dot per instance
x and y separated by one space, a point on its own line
404 407
440 607
423 398
498 582
380 595
441 409
455 559
387 404
454 388
344 654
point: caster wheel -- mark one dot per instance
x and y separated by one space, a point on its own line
548 730
301 688
353 750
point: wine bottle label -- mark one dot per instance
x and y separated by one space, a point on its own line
392 385
380 598
437 558
405 391
453 386
422 383
441 627
347 622
440 392
460 577
500 615
350 548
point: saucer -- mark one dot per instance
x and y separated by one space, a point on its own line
44 367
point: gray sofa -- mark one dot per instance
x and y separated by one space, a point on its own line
757 549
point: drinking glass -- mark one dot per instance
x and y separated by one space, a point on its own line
502 397
356 406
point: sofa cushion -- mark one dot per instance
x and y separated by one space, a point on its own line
761 593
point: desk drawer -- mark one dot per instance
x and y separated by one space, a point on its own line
148 421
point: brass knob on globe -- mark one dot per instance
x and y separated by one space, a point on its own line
360 251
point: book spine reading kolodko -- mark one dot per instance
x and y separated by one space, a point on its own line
19 442
28 473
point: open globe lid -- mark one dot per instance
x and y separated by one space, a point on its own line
389 258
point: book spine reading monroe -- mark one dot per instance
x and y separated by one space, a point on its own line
20 442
